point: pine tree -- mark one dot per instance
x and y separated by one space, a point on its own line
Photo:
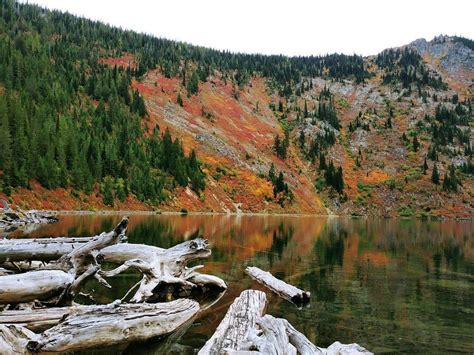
108 191
280 183
322 162
5 145
271 173
179 100
425 167
416 144
193 84
302 139
435 175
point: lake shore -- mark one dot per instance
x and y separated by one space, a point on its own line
269 214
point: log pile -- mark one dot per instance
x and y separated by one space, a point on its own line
40 280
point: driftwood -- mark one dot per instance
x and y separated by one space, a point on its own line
245 330
164 267
241 317
34 285
40 319
14 339
86 327
62 278
115 324
42 249
160 267
278 286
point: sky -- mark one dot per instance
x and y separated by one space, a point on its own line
291 27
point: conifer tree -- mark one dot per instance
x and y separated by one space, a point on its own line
425 167
435 175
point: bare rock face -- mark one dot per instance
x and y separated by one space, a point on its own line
453 56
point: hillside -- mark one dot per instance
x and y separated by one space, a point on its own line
101 118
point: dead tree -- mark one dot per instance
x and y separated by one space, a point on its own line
278 286
88 327
245 330
61 279
165 267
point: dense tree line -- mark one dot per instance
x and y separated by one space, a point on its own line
69 121
407 67
169 55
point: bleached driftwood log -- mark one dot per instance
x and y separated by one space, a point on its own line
164 267
159 266
41 249
34 285
114 324
244 330
14 338
62 278
241 317
40 319
278 286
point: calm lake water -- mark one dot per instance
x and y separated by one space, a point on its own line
389 285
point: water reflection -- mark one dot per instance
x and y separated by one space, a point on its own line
390 285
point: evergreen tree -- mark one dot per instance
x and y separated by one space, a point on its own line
425 167
271 173
322 162
416 144
193 84
108 191
435 175
302 139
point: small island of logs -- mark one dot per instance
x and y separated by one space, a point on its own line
41 279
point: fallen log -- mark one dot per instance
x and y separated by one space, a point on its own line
14 338
245 330
241 317
41 249
278 286
163 267
62 278
159 266
40 319
34 285
114 324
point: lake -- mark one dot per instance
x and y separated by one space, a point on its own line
389 285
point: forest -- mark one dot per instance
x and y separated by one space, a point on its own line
69 120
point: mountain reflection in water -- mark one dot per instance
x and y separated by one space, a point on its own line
389 285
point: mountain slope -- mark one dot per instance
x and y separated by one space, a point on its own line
349 135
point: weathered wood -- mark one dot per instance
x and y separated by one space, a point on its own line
115 324
278 286
238 321
34 285
165 267
244 330
273 339
346 349
62 278
14 338
42 249
40 319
